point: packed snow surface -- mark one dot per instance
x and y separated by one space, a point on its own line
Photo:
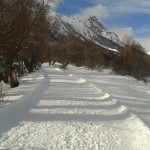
76 109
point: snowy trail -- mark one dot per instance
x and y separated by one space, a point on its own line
131 93
67 112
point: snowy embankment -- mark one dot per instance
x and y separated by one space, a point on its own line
76 109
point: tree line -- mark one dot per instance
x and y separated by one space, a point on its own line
129 60
132 60
24 34
80 52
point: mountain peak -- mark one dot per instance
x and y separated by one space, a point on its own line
93 18
94 23
88 30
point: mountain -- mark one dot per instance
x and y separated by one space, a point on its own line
89 30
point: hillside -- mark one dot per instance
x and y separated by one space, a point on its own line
89 30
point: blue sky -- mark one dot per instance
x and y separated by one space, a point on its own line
125 17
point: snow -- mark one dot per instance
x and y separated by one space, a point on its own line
111 49
78 26
76 109
88 29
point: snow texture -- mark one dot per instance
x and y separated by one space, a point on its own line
76 109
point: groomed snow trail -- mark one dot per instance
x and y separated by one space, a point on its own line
66 112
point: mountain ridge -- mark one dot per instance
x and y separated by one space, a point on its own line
91 30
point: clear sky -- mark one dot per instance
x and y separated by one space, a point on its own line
124 17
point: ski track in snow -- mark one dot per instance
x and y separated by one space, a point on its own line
64 110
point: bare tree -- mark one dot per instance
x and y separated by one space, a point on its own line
23 34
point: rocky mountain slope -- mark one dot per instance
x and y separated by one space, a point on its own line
88 30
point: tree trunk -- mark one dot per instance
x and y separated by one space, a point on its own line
13 77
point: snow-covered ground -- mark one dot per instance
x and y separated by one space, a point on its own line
76 109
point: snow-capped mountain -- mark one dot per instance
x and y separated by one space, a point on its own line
90 29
